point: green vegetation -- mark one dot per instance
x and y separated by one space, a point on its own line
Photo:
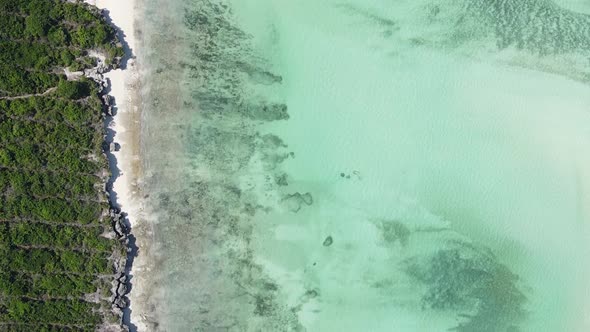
56 262
46 184
53 110
59 237
53 210
73 89
40 37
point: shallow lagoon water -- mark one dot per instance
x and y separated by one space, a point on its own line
371 166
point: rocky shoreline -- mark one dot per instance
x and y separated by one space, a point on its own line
122 264
123 254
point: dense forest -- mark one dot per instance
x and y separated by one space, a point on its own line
58 249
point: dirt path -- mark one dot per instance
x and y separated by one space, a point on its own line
50 90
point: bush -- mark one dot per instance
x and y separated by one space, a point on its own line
36 25
50 153
73 89
57 36
67 57
64 312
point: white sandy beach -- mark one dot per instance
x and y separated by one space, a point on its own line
124 83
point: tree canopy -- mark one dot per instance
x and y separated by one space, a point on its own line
57 264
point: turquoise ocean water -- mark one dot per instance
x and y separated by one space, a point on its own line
368 165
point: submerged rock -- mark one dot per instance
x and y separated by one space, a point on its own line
466 279
266 111
294 202
281 180
328 241
307 199
394 231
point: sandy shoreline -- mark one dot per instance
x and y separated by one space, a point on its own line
123 129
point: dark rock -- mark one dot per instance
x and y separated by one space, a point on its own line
394 231
281 180
113 211
267 112
118 223
107 100
328 241
307 199
295 201
119 266
273 141
120 302
120 228
114 147
259 75
311 294
122 289
121 276
116 311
